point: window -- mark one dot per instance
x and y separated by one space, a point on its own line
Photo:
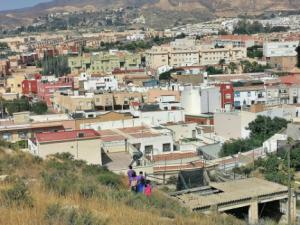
148 149
22 135
249 94
167 147
7 136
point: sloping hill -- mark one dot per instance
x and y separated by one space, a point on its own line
206 8
62 191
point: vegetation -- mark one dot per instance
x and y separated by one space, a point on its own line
39 108
246 27
64 191
261 129
57 65
232 67
3 46
213 70
253 67
255 52
22 104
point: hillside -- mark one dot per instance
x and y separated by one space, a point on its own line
61 191
166 10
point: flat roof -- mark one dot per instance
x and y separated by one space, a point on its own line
66 135
232 191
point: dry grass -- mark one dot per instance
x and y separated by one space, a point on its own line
104 206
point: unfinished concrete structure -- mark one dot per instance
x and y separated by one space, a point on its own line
251 196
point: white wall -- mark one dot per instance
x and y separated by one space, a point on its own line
157 143
199 100
116 124
277 49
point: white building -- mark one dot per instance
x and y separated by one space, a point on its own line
197 100
249 95
105 83
278 49
158 116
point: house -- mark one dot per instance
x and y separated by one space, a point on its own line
23 125
46 90
82 144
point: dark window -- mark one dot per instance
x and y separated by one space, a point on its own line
148 149
167 147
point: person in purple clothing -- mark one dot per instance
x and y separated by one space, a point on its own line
129 174
141 182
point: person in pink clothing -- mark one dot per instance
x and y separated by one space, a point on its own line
148 188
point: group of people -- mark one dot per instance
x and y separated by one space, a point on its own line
138 183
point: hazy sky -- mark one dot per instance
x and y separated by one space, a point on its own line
16 4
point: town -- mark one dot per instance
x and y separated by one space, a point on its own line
207 113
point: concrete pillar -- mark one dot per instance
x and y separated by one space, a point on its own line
253 212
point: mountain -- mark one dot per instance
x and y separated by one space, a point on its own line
154 9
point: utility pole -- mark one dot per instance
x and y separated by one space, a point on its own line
289 182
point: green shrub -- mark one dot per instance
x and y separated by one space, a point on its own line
88 190
17 195
56 214
61 184
93 170
109 179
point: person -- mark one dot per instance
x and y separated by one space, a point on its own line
134 182
141 182
148 188
129 174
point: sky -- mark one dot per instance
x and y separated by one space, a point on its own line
17 4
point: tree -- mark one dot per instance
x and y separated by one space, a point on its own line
232 66
212 70
39 108
261 129
17 105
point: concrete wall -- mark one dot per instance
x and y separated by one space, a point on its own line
88 150
116 124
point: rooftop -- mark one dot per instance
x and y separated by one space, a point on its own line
66 135
232 191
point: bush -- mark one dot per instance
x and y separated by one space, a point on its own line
109 179
88 190
93 170
17 195
61 184
56 214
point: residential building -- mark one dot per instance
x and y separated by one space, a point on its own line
46 90
93 83
157 116
213 55
23 125
227 95
279 49
245 41
245 96
104 62
82 144
159 56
